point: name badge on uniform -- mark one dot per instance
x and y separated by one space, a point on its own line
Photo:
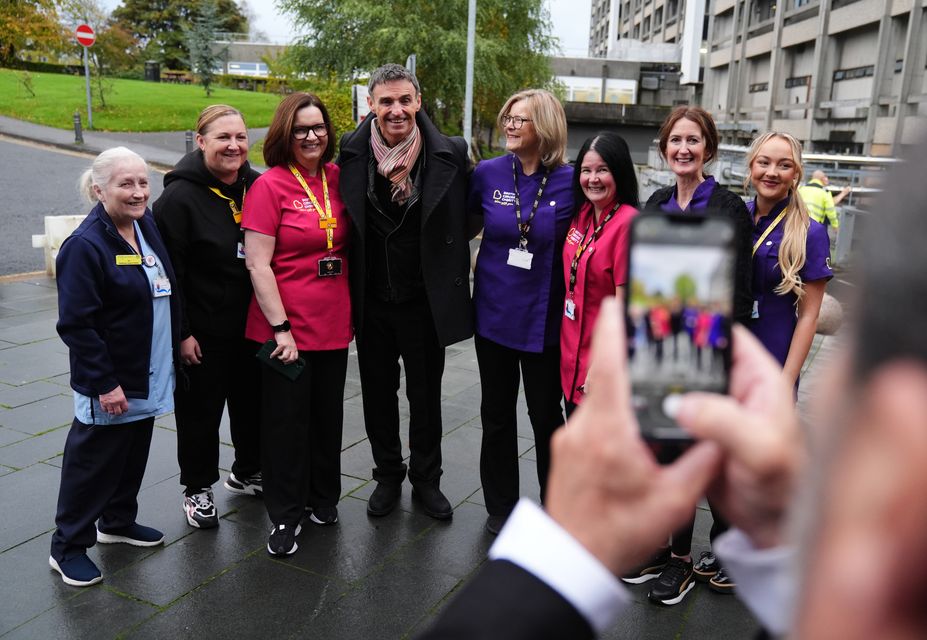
240 252
756 310
330 266
520 258
569 309
162 287
131 259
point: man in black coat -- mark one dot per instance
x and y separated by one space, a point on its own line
404 185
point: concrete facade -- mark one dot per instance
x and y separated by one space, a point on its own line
844 76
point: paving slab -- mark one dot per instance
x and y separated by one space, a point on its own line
12 396
33 449
29 500
40 416
33 361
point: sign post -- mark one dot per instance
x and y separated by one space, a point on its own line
86 37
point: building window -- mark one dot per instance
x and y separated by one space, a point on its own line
899 65
855 72
801 3
637 31
646 26
797 81
759 86
658 18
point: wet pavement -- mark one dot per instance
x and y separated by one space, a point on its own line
362 578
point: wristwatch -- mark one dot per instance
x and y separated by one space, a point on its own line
283 326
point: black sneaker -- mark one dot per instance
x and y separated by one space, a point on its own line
282 541
650 569
674 583
433 501
250 486
706 566
384 499
721 582
324 515
201 509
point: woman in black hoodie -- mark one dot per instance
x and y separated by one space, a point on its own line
199 216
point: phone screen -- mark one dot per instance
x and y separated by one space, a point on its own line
679 304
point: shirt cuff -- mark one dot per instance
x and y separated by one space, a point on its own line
532 540
765 578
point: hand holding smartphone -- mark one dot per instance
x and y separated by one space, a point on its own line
679 304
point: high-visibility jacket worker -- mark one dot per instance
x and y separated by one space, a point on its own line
820 203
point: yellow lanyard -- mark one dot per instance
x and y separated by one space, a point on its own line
327 220
769 230
236 212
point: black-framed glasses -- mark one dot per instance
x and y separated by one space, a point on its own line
515 121
301 133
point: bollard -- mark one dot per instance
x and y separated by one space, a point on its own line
78 130
188 140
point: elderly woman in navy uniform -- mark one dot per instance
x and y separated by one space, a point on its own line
120 322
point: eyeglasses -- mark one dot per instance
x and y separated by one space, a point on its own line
515 121
301 133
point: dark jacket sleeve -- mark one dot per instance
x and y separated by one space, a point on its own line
172 219
658 197
505 602
80 279
733 206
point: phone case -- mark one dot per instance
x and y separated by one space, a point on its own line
291 371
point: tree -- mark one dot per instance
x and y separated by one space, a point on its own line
28 25
205 56
512 47
685 287
161 26
114 50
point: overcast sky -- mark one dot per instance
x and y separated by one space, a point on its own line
570 20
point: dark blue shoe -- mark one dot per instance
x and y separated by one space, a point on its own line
78 571
135 534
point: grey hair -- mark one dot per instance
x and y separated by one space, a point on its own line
390 72
102 169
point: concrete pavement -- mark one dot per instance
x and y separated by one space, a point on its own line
362 578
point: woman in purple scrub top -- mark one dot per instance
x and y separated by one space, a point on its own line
525 201
791 254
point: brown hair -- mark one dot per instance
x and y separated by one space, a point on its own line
700 117
549 123
212 113
278 143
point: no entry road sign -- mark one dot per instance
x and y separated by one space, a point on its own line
85 35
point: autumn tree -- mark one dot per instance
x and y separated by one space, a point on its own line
28 25
161 26
513 43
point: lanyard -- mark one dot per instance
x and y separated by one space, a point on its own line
768 231
327 220
524 227
574 265
236 212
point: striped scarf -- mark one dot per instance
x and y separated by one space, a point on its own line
395 163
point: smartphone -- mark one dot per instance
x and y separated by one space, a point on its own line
292 370
679 304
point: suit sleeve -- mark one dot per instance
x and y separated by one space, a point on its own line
506 602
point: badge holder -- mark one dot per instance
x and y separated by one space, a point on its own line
520 256
329 266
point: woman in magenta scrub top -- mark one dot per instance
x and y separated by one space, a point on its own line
791 254
595 253
296 240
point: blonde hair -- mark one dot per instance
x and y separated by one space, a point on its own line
549 121
212 113
792 250
102 169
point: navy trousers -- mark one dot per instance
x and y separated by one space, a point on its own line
101 474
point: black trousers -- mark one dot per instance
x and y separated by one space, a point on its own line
101 474
499 378
301 436
390 332
682 539
228 373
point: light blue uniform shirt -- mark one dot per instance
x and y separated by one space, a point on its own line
160 398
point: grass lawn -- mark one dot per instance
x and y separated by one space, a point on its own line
131 105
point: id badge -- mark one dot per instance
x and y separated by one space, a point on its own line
520 258
569 309
240 252
330 266
162 287
756 310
